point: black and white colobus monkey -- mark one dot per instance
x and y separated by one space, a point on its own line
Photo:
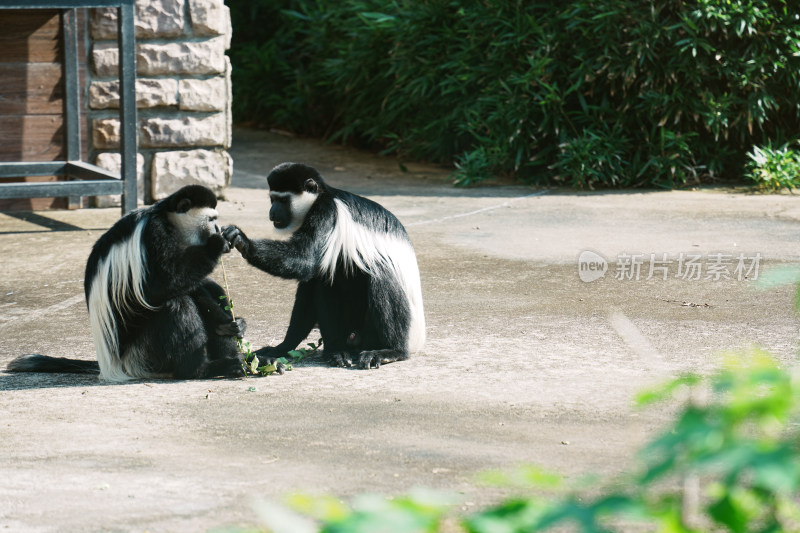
358 273
154 312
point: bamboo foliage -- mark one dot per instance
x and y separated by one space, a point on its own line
584 93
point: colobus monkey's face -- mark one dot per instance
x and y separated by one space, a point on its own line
280 211
196 224
191 211
289 209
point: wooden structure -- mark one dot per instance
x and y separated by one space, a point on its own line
40 110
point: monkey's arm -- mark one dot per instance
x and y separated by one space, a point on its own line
300 325
182 270
199 261
215 308
292 259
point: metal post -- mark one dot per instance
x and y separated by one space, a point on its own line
71 84
127 104
69 28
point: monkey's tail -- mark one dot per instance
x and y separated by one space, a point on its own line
34 362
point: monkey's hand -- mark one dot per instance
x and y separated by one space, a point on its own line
218 245
340 359
268 356
236 238
234 328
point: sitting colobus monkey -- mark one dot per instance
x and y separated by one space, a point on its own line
154 312
357 271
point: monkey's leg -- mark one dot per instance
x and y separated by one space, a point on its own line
221 330
332 312
176 342
229 367
387 325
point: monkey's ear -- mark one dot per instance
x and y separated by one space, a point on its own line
311 186
184 204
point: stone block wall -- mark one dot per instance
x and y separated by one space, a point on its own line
183 95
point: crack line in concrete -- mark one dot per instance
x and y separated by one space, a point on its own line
477 211
46 311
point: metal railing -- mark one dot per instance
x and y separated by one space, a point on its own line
83 179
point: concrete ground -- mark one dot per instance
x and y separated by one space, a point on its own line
525 362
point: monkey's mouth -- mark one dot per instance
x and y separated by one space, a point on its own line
279 224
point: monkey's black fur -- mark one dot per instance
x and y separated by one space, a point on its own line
357 272
154 311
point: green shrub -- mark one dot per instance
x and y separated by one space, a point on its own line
740 447
594 158
582 93
774 168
